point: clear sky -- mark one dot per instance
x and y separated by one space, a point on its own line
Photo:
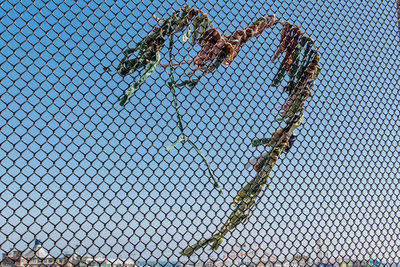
78 169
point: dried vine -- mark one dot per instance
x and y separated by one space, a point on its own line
300 63
148 57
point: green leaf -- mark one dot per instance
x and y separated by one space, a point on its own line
182 21
132 50
217 243
186 11
200 25
191 249
123 100
296 61
204 25
306 56
127 67
262 141
186 36
182 139
244 193
279 76
213 66
150 69
191 83
297 123
196 28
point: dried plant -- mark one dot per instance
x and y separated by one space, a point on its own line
300 63
148 57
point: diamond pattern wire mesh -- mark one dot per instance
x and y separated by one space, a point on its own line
87 176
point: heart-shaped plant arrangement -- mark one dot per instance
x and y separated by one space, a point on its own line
300 63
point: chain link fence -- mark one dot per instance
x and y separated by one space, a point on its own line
94 183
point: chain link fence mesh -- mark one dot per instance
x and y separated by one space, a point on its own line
88 177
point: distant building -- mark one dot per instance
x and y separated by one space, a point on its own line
256 257
100 261
301 260
193 264
12 259
39 257
252 258
359 263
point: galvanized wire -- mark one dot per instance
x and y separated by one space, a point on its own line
89 177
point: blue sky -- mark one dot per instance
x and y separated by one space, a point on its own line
78 169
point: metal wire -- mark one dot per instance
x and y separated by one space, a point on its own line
90 178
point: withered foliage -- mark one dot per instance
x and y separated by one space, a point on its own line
148 50
218 47
300 64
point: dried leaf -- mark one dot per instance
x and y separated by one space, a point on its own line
284 41
291 100
255 162
292 39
